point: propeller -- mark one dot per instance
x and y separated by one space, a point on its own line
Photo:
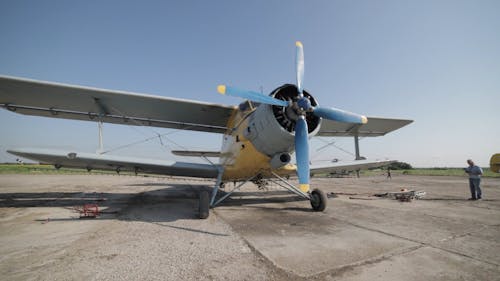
301 105
250 95
302 153
339 115
299 65
301 131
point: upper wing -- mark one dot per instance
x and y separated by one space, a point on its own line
375 127
117 163
349 166
83 103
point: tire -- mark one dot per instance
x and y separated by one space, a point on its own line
318 200
204 203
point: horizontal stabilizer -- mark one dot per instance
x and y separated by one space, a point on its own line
196 153
91 161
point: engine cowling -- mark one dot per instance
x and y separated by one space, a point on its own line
271 128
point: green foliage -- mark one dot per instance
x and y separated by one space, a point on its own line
400 166
448 172
44 169
458 172
49 169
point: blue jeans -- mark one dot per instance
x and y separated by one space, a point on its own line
475 189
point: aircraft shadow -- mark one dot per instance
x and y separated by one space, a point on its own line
242 200
171 203
183 197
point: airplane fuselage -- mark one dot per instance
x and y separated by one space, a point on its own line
240 158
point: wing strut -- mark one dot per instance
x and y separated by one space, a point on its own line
356 147
101 146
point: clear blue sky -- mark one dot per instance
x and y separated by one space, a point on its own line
436 62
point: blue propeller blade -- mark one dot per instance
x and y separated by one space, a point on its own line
299 65
339 115
249 95
302 153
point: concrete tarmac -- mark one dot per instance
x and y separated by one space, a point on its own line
149 231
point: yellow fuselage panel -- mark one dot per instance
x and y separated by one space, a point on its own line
240 159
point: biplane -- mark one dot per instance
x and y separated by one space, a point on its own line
259 136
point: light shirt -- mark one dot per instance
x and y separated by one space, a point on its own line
474 172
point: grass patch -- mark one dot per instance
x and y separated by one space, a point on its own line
35 169
49 169
430 172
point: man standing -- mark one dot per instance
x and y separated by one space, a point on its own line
475 173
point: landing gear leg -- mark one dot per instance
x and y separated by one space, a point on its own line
231 192
318 200
216 187
316 197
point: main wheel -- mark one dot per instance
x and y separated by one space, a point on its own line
318 200
204 203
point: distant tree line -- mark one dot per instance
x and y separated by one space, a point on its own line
400 166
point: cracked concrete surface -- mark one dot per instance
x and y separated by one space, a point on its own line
149 231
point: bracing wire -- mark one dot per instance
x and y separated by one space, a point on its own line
331 143
157 135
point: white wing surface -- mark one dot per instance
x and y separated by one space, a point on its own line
375 127
54 100
339 167
117 163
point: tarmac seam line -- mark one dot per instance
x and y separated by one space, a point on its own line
421 243
281 272
462 254
373 260
464 234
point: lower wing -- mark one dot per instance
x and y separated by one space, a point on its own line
348 166
117 163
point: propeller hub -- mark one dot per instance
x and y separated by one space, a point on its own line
304 104
287 116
